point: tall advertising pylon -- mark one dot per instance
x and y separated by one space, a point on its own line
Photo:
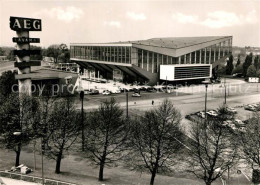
23 26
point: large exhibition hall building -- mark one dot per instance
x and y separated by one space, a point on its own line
172 59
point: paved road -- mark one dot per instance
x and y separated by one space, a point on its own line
8 181
190 99
5 66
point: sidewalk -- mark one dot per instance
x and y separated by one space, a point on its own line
8 181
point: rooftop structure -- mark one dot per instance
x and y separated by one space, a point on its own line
141 60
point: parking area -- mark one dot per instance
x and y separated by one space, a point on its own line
235 117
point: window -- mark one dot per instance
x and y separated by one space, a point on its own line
150 61
139 55
145 59
197 56
155 68
193 57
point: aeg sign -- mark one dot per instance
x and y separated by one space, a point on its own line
25 24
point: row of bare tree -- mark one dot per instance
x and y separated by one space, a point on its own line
151 142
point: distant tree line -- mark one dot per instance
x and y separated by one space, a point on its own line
60 53
249 68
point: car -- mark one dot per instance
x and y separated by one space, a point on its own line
239 122
94 91
212 113
231 110
242 129
106 92
250 107
136 95
87 91
227 122
115 91
201 114
232 126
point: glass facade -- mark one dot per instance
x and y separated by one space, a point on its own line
118 54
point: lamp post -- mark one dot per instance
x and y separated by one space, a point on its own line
126 104
225 101
18 134
42 150
206 82
82 120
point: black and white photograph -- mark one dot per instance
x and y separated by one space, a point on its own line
129 92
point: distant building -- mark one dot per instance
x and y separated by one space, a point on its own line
152 60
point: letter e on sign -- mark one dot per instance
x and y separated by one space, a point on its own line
25 24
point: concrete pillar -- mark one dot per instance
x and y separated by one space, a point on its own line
184 59
179 60
25 84
190 58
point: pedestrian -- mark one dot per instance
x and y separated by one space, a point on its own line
152 102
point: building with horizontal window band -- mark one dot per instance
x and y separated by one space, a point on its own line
152 60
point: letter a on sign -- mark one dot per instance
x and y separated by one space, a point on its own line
25 24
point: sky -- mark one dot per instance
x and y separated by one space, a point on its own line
100 21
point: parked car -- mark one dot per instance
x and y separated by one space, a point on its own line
242 129
94 91
136 95
212 113
106 92
115 91
87 91
227 123
231 110
239 122
201 114
250 107
232 126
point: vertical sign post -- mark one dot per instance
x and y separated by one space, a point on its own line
23 26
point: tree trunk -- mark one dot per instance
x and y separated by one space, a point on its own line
58 162
101 171
153 177
17 160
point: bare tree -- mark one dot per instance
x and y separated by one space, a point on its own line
212 151
17 116
106 134
62 130
250 140
156 137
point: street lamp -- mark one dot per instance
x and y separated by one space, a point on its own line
82 119
206 82
18 149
